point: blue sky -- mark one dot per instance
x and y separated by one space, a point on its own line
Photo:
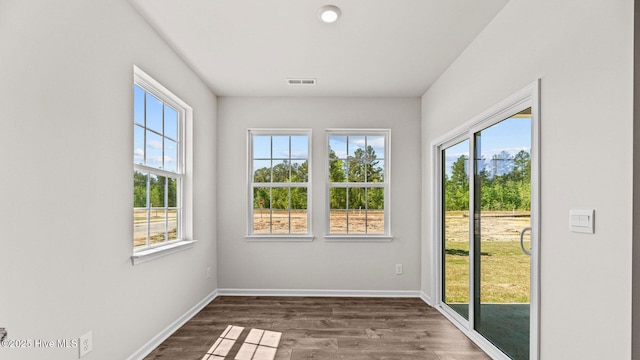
157 134
339 145
264 145
511 135
282 148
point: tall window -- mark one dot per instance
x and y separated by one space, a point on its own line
158 166
358 182
280 182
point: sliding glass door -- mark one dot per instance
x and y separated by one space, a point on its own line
455 227
486 224
502 213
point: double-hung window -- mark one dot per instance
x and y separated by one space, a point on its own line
358 179
279 184
158 165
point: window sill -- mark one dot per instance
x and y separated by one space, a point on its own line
143 256
280 238
359 238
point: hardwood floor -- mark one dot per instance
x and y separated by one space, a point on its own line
326 328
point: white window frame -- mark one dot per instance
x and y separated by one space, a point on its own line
251 236
386 185
182 174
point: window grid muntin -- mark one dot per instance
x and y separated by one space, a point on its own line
149 172
347 184
366 187
364 160
180 116
144 168
271 184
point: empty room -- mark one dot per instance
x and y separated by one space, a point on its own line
419 179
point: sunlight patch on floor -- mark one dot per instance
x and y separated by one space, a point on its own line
258 345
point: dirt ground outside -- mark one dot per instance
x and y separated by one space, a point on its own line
156 226
495 225
504 268
267 221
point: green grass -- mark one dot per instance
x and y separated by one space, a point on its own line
504 272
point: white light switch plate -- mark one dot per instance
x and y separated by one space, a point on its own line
582 221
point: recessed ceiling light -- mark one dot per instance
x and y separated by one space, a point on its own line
329 13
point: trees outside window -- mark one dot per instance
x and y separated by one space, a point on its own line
358 182
279 182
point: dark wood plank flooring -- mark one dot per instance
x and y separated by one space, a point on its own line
326 328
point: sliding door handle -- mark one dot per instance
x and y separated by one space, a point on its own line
522 240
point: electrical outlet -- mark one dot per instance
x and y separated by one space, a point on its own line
85 344
208 272
399 270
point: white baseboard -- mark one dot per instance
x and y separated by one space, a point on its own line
426 298
317 293
164 334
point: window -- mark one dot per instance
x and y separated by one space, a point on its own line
358 183
158 165
279 184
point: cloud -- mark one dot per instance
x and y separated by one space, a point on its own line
338 144
488 154
376 141
155 144
138 155
169 160
154 160
341 154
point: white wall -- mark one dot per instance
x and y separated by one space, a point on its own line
319 265
66 104
583 53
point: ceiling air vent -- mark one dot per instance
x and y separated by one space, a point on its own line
301 81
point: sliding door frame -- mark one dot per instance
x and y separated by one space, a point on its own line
523 99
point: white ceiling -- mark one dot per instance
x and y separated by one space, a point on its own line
376 48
